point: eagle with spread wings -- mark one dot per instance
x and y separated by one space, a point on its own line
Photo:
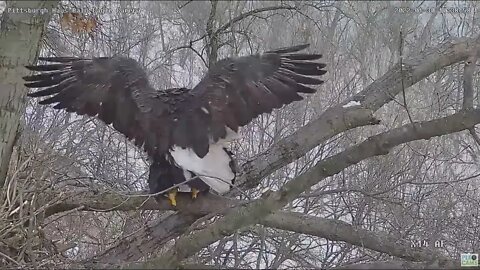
185 132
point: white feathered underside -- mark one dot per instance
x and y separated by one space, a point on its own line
214 168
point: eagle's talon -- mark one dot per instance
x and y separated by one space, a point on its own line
195 193
172 195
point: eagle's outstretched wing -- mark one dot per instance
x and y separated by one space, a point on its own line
114 89
236 90
233 92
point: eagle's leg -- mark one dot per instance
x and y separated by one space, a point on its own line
172 196
195 193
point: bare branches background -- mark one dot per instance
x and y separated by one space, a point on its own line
326 185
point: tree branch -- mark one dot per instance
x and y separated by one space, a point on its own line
468 90
337 230
256 210
248 14
144 241
468 81
107 202
214 35
338 119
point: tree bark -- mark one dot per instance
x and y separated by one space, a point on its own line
143 242
21 33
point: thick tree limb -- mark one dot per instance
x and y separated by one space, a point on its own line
337 230
143 242
151 237
468 90
468 81
107 202
337 119
256 210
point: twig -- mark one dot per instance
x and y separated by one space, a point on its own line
183 183
474 135
10 259
81 207
247 14
184 5
401 78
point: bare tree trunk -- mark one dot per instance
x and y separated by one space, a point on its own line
212 49
20 37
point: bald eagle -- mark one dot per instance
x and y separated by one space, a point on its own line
185 132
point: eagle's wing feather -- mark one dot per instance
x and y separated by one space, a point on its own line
114 89
236 90
233 92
